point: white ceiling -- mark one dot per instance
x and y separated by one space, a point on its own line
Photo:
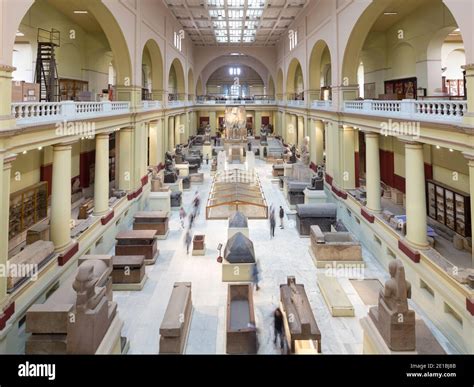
236 22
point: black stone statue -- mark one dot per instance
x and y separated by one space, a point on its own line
293 158
170 172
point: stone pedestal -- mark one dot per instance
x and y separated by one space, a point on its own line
261 155
160 201
313 197
287 169
183 169
374 344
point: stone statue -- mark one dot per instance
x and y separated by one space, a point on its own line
293 158
178 155
305 157
235 122
84 285
207 135
264 135
170 173
317 180
392 317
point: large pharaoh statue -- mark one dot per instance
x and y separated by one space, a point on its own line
235 123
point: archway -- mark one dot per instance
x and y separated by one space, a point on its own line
270 92
320 72
176 81
191 88
235 81
76 60
152 61
295 81
279 85
199 90
398 43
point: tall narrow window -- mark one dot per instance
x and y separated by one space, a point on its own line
361 80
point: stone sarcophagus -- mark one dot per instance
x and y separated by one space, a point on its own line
239 259
138 242
278 170
80 316
334 247
296 192
241 333
298 318
128 272
199 244
27 263
321 214
174 328
186 183
152 220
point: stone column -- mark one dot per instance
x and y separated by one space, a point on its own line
177 130
258 122
125 159
415 195
154 143
171 140
327 134
300 132
469 117
292 130
61 197
348 170
212 122
5 170
470 158
101 181
372 165
319 142
7 121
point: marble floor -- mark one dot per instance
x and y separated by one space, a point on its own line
286 254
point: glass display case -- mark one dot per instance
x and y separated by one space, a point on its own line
449 207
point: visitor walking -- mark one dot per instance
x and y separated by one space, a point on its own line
182 216
282 215
196 203
187 240
272 223
278 327
191 220
256 277
207 158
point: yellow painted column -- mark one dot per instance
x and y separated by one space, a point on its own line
61 197
101 181
319 142
171 140
469 116
415 195
154 143
177 130
292 130
5 170
470 158
125 159
372 165
348 172
258 123
7 121
300 132
327 134
213 122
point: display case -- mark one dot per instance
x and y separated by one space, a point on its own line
27 207
449 207
72 89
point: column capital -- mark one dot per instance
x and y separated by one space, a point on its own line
411 144
370 134
469 156
8 160
7 68
102 136
469 68
127 129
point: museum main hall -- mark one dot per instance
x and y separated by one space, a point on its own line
242 177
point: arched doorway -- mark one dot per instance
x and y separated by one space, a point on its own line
295 81
152 68
176 82
320 72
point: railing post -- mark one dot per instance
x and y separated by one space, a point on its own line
367 105
106 107
68 110
408 107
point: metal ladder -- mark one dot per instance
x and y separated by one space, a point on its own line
46 69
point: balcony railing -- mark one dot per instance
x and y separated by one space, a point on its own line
432 110
321 105
296 103
40 112
229 101
151 105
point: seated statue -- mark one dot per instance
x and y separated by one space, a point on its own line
293 158
170 173
178 154
263 136
317 181
207 135
392 317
